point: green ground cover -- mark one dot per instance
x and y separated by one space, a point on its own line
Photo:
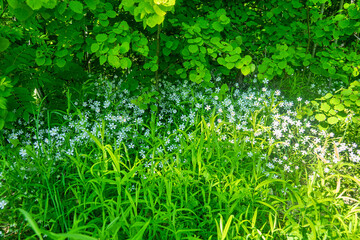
206 163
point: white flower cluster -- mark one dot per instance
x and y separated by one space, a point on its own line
109 114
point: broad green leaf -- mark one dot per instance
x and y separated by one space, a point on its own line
76 6
252 67
230 65
332 120
158 10
346 92
332 70
49 4
125 63
282 64
334 101
245 70
125 47
61 53
217 26
320 117
247 60
221 61
101 37
154 20
34 4
24 12
233 58
193 48
332 112
239 64
103 59
328 95
40 61
111 14
4 44
325 107
14 3
154 68
114 61
104 23
95 47
339 107
60 62
344 23
167 3
91 4
353 97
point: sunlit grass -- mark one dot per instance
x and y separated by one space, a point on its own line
199 168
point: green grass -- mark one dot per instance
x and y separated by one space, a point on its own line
199 168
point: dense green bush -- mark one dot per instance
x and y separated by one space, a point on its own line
48 45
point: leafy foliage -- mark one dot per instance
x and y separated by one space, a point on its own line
51 44
341 110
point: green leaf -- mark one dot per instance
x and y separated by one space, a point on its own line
282 64
61 53
332 70
353 97
325 107
328 95
344 23
95 47
154 20
332 120
91 4
158 10
239 64
153 108
193 48
247 60
140 233
339 107
102 59
125 47
32 223
320 117
4 44
60 62
104 23
245 70
114 61
111 14
34 4
101 37
125 63
49 4
2 123
76 6
24 12
230 65
40 61
334 101
217 26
